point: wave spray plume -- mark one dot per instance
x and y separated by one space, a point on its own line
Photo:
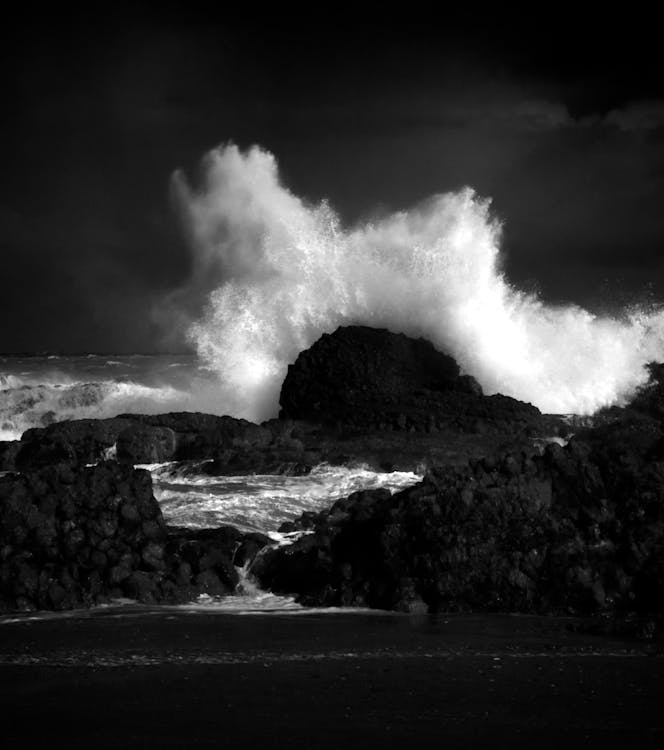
278 273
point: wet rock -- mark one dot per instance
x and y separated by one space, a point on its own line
51 450
145 444
247 550
577 530
81 441
201 436
142 586
208 582
72 537
238 462
8 452
64 537
138 439
196 551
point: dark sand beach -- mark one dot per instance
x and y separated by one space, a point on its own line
150 677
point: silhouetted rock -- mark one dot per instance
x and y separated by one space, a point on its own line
146 444
374 380
48 450
80 441
202 436
8 452
139 438
649 399
579 529
65 532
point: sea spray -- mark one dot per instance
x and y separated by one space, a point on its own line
277 273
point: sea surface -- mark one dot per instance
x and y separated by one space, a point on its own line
36 390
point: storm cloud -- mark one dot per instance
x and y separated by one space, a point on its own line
562 132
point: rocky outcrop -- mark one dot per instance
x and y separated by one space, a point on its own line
648 400
137 439
234 447
72 537
359 394
579 530
373 380
8 451
200 436
80 441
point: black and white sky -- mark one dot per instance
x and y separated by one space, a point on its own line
559 119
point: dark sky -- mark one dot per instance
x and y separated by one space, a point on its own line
559 119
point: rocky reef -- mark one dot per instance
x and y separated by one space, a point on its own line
359 394
497 523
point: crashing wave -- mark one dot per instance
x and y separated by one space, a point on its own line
24 404
277 273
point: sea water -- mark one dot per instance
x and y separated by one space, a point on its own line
38 389
261 502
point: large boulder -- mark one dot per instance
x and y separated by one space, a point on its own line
372 379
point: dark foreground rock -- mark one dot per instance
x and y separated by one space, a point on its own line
578 530
79 441
137 439
76 537
235 446
8 452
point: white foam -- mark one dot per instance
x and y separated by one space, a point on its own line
282 272
261 502
25 403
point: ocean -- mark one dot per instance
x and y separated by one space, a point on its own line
36 390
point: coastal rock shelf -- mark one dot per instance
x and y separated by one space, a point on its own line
496 524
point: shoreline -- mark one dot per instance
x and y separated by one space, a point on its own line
378 679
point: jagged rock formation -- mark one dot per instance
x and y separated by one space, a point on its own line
579 530
75 537
136 438
233 444
8 451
